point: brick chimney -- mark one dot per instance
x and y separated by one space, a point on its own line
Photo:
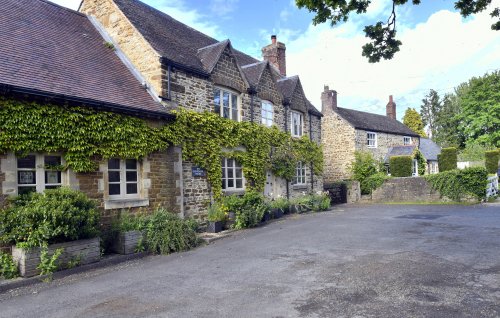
390 109
328 100
275 54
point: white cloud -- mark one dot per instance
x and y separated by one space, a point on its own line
285 14
440 54
72 4
223 8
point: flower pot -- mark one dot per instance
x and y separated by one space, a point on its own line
127 242
215 227
277 213
231 218
294 208
286 210
266 217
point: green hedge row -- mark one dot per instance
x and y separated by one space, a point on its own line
491 160
401 166
447 160
455 184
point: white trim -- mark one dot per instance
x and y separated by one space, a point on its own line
221 102
404 140
292 126
39 173
122 170
265 120
368 139
233 169
300 174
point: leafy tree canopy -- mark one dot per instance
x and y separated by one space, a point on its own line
384 43
413 121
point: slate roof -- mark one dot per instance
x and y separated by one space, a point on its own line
374 122
287 86
253 72
399 151
53 50
429 149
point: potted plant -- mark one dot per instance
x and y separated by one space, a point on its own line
216 218
278 207
127 234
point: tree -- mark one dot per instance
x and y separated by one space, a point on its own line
431 106
413 120
446 123
383 35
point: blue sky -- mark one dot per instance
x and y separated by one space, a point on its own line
440 49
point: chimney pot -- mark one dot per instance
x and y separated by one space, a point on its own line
328 101
275 54
273 39
391 108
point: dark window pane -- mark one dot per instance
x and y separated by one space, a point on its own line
225 99
239 183
225 112
114 189
230 183
235 115
217 96
230 173
26 177
52 177
223 173
230 162
114 176
27 162
131 175
238 173
52 160
131 164
25 190
131 188
52 187
234 101
114 163
223 184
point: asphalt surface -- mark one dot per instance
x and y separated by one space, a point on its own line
354 261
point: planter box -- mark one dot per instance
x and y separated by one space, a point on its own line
215 227
127 242
266 217
277 213
87 251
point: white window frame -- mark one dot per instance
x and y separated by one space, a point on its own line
267 116
39 170
406 140
123 180
300 127
300 174
233 169
221 103
414 168
368 139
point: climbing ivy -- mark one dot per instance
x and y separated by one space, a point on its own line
417 154
81 133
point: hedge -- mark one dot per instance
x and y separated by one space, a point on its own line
401 166
447 160
456 183
491 160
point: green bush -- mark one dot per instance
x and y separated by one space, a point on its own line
216 213
319 202
57 215
128 222
491 161
447 160
364 165
455 184
280 203
401 166
8 269
249 208
374 181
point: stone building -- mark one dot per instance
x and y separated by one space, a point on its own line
345 131
126 57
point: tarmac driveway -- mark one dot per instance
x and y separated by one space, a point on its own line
354 261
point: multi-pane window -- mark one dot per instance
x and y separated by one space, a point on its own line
371 140
226 103
300 173
406 140
232 175
267 113
38 172
297 121
123 177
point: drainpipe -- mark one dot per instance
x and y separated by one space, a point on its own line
286 104
311 139
168 82
251 91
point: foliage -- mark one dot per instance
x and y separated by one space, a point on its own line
128 222
447 160
48 263
401 166
374 181
8 269
491 161
473 151
166 233
280 203
383 35
421 161
74 262
413 121
57 215
455 184
249 209
216 212
319 201
364 166
429 110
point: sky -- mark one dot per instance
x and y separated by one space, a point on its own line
440 48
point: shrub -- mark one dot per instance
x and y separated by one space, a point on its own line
57 215
216 213
401 166
8 269
374 181
128 222
249 208
364 165
491 161
319 202
280 203
456 183
447 160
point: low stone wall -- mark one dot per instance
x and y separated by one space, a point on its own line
127 242
411 189
85 251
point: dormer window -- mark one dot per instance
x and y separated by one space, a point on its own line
297 120
226 103
406 140
267 113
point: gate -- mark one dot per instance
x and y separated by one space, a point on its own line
337 192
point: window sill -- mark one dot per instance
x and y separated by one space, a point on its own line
235 191
125 203
299 186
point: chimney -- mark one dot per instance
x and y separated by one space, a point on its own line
391 108
274 53
328 101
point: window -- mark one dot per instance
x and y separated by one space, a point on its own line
297 123
232 175
371 140
406 140
300 173
38 172
123 178
226 103
415 168
267 113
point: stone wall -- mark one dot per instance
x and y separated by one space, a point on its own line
384 142
197 194
411 189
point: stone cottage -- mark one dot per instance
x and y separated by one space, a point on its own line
345 131
429 149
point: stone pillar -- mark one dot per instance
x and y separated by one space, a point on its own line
391 108
275 54
328 101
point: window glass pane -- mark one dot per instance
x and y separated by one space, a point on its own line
52 187
26 177
217 96
239 183
27 162
230 183
131 164
234 115
234 102
114 189
114 163
52 177
131 175
114 176
225 104
230 173
238 173
131 188
25 190
223 173
230 163
52 160
223 184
